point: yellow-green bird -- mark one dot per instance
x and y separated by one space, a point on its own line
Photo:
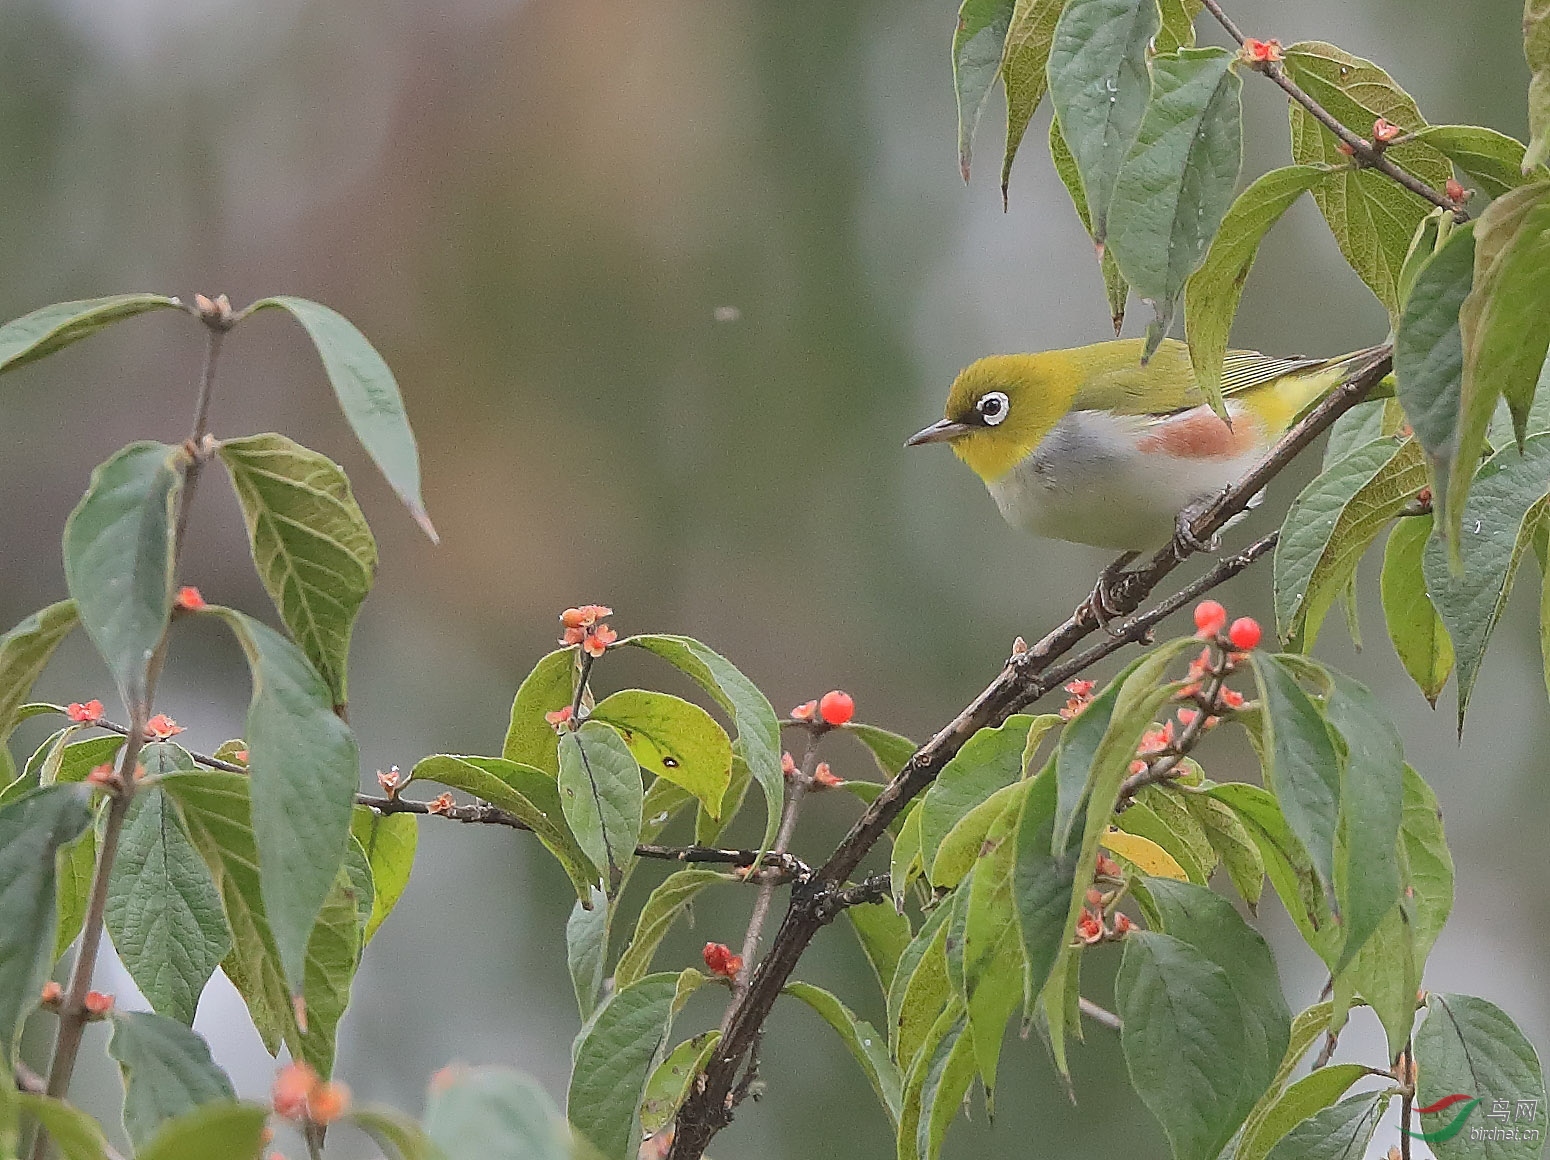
1090 446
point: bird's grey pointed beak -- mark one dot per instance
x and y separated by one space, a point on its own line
942 431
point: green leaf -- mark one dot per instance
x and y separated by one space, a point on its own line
1373 218
600 793
367 393
866 1046
1042 885
1024 58
1116 289
1374 419
758 732
962 845
304 770
394 1132
74 1133
1178 177
1419 636
922 986
333 954
1309 1095
32 829
389 843
1099 86
1079 742
977 45
549 687
1186 1042
1212 292
167 1072
1207 921
1302 767
50 328
1338 1133
673 739
76 867
1470 1045
586 949
1536 50
668 1086
613 1057
905 865
1429 355
24 651
1140 821
883 933
1498 522
889 750
1330 527
1493 159
164 911
936 1087
989 760
662 909
1429 862
119 556
530 794
311 546
1504 345
1230 839
494 1113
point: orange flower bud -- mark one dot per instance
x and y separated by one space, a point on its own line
83 714
442 804
52 993
189 599
1122 924
559 716
327 1102
390 781
293 1084
598 640
1089 928
1385 131
161 727
97 1004
823 777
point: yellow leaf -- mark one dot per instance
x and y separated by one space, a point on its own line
1146 854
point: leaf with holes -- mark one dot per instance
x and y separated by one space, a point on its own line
673 739
313 550
367 393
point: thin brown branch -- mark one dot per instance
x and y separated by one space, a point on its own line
1024 679
1366 153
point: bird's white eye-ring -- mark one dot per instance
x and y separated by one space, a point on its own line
993 407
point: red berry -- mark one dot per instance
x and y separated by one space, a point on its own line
836 707
718 959
1244 633
1210 617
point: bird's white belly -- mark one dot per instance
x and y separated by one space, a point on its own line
1088 483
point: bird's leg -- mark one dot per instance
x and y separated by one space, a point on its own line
1184 539
1102 601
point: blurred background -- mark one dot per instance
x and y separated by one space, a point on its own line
666 283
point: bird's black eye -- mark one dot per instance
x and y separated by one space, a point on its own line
992 407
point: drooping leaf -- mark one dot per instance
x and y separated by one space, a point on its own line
1186 1041
978 41
1302 767
1372 217
1341 1132
1099 86
1178 177
883 933
494 1113
673 739
669 1084
1470 1045
758 733
962 845
529 793
586 950
927 939
164 911
304 770
167 1072
310 542
1330 527
867 1047
1115 288
889 750
1498 522
613 1057
600 794
1419 636
944 1075
1227 835
24 651
1212 292
1079 742
389 842
550 686
924 990
1536 50
1493 159
367 393
906 865
989 760
50 328
32 828
667 902
118 559
333 954
1024 60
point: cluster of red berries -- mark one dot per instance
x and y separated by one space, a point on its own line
584 626
719 960
1210 618
834 708
300 1094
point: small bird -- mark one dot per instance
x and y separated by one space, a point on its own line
1088 445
